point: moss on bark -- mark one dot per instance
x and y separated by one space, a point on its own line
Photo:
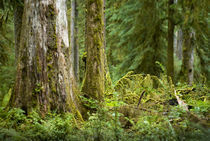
93 85
45 78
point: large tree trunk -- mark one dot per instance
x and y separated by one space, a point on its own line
93 85
45 77
170 52
73 43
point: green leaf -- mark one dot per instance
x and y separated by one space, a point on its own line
6 98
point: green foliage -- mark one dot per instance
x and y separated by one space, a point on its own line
131 86
136 36
197 96
11 135
17 126
136 47
7 56
89 102
119 118
155 128
6 99
13 118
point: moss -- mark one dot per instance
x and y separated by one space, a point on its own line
62 44
90 2
37 90
53 87
39 67
51 9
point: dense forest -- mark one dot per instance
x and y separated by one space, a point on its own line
104 70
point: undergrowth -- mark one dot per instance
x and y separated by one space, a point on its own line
123 116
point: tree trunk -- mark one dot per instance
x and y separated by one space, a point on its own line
45 77
178 50
93 85
170 52
187 69
104 16
107 77
18 12
73 44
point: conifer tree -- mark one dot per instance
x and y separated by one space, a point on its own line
170 51
93 85
45 77
136 36
74 43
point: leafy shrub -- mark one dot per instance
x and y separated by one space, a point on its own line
119 117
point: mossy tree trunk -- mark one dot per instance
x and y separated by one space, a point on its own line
170 52
45 77
107 77
74 44
93 85
187 70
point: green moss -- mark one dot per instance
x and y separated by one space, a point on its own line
94 87
51 9
62 44
53 87
38 89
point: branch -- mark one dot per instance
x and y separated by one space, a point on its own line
140 98
180 102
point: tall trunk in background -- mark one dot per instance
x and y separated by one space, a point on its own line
187 69
18 12
73 43
179 40
170 51
45 79
107 77
93 85
104 16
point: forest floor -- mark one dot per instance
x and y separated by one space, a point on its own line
137 107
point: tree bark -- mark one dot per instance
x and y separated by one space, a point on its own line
178 50
45 77
187 70
93 85
170 52
104 16
73 44
107 77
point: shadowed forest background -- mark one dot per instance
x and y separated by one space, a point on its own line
102 70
